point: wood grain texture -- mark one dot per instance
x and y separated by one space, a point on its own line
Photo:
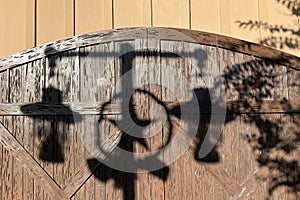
1 168
164 33
81 76
4 76
257 21
16 150
7 174
142 180
157 186
251 106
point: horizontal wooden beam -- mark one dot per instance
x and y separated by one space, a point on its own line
232 107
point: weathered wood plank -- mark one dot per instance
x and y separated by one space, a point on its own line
16 83
90 188
15 149
78 78
1 169
216 170
28 184
28 144
138 187
80 194
90 145
99 189
157 190
84 172
107 36
18 132
4 85
251 106
102 87
69 153
202 182
243 47
17 128
58 88
176 89
71 129
251 184
281 82
59 150
7 174
293 83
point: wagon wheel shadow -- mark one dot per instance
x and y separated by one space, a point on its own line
124 180
127 180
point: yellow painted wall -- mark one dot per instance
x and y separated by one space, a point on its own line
24 24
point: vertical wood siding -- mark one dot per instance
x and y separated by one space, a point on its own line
54 20
92 15
24 24
17 26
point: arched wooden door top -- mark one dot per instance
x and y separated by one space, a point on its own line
176 34
55 95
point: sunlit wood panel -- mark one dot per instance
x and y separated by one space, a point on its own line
92 15
205 15
233 13
16 26
279 25
54 20
171 13
132 13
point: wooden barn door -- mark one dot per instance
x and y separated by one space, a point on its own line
51 106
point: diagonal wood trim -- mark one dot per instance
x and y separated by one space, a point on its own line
231 186
75 183
16 149
251 184
85 172
242 107
216 170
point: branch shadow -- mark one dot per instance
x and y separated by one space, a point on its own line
276 142
281 35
